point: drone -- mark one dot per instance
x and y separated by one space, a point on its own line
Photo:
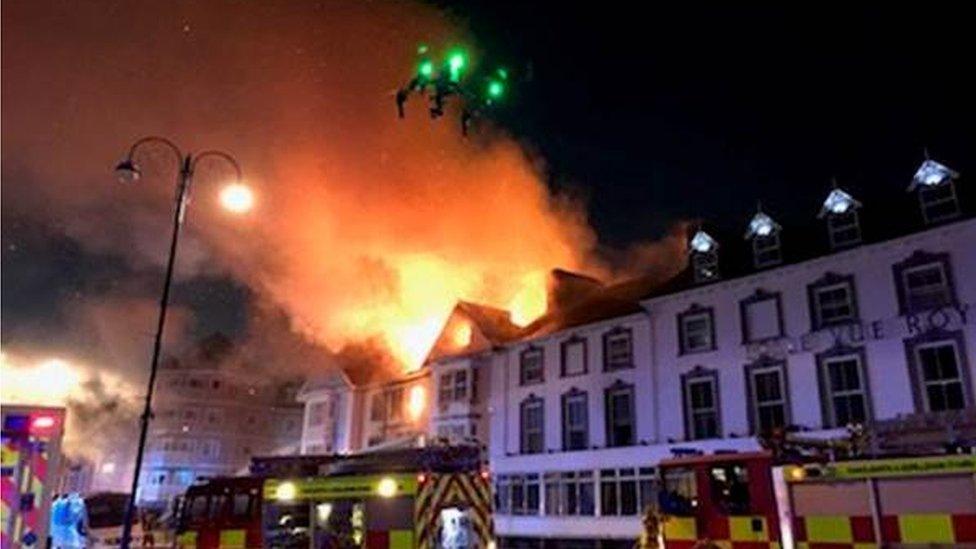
439 86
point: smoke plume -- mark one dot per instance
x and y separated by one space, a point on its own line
367 228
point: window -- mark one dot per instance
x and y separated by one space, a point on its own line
701 404
503 495
618 349
532 418
769 404
679 495
461 385
517 494
452 387
531 366
926 287
620 415
705 265
445 389
570 493
626 491
843 389
729 484
573 357
695 330
242 504
762 316
832 301
924 281
938 202
395 409
377 408
766 250
940 377
843 229
316 413
575 421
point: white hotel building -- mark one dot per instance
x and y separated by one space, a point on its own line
577 409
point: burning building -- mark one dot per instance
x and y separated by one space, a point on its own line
851 323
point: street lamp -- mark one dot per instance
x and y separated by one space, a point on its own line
239 200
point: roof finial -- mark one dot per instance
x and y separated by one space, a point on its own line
925 151
833 182
759 206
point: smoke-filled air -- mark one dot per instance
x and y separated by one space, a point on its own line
365 228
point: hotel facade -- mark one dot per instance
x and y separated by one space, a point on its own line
576 410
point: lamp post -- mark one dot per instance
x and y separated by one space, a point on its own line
236 198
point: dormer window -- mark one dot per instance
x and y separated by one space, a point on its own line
936 188
843 226
764 233
704 256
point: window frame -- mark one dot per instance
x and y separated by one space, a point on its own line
932 339
564 401
833 229
765 364
759 296
615 477
828 281
697 375
445 389
608 393
528 402
523 378
775 245
564 346
565 483
828 412
696 310
619 331
377 407
919 259
926 203
705 266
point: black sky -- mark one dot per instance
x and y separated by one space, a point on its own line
658 111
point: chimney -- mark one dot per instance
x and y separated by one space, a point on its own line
568 288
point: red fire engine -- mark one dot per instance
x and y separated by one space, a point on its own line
420 497
783 498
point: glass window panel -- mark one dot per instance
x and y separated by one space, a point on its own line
574 360
763 319
586 499
608 498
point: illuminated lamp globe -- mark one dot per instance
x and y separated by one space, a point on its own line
237 198
387 487
127 171
286 491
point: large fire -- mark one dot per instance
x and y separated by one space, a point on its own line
45 382
370 228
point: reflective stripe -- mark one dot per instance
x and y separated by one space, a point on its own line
401 539
829 528
740 529
233 538
931 528
680 528
187 539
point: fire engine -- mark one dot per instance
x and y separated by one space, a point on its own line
789 496
30 457
419 497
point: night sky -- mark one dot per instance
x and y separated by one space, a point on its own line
652 116
668 112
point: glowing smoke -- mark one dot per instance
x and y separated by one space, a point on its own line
363 228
